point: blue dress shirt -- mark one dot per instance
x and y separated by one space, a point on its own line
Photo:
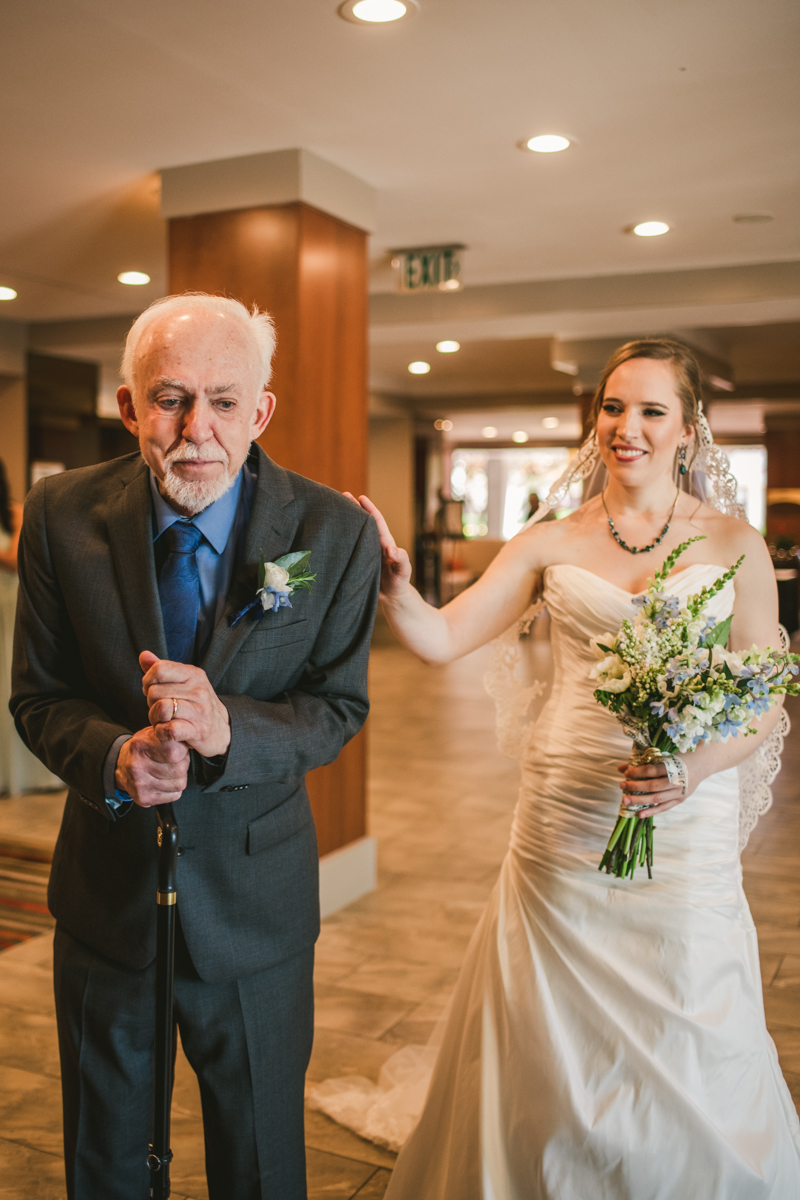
222 525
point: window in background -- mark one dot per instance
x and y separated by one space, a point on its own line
469 482
496 486
749 466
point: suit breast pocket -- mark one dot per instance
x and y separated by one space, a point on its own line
287 633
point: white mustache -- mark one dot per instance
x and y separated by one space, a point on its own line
192 453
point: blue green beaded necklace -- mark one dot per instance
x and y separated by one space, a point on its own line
639 549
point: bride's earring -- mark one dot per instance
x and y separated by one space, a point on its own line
682 460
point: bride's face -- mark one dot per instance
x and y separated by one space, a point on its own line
640 423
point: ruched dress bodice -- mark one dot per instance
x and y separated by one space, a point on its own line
607 1038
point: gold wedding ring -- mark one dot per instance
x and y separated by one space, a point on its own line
174 709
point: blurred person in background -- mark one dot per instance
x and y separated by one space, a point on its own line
20 771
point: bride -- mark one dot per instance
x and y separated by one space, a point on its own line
606 1039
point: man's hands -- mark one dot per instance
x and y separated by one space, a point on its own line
152 770
184 707
185 712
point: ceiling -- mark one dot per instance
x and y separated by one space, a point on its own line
686 112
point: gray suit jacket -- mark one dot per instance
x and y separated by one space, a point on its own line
294 683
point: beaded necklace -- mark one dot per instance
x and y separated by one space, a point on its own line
639 549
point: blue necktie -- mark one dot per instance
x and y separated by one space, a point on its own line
179 589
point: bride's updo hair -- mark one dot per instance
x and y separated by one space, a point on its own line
687 375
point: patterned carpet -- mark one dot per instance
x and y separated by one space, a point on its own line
23 894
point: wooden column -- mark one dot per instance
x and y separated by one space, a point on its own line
309 270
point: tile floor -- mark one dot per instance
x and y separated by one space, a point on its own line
441 803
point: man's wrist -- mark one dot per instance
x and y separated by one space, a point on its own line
111 777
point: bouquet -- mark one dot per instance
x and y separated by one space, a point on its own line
669 679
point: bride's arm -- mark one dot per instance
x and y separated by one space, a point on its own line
755 622
479 614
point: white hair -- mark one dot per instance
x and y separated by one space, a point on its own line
258 323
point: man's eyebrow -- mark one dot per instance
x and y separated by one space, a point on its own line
221 389
163 382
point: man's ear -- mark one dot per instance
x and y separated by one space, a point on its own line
265 407
127 410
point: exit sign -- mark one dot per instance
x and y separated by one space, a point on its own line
428 269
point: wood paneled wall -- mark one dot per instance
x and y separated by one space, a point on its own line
309 270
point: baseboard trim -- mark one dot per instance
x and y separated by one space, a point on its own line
347 874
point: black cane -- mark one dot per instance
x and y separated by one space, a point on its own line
160 1154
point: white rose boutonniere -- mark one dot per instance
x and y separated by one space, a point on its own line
276 582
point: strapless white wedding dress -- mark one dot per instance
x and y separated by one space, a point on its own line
606 1039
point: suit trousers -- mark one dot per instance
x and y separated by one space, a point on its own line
249 1041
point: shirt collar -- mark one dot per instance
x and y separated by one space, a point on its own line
215 522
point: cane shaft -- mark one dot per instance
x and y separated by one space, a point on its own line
164 1057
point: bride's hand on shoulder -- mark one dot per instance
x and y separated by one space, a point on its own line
395 563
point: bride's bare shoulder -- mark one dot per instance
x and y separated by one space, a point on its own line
549 541
729 535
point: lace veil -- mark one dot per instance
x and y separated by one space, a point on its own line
511 680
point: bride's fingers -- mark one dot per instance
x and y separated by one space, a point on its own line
643 787
388 544
656 809
644 770
659 802
393 555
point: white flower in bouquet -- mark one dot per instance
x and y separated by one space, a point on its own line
611 674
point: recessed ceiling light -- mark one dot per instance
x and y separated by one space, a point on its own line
134 278
753 218
450 285
419 368
377 12
448 347
550 422
546 143
7 293
489 431
443 425
648 228
519 436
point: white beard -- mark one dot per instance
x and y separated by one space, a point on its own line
194 495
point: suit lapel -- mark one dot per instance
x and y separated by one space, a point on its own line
272 526
131 539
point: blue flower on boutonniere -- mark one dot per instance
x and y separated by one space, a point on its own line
276 582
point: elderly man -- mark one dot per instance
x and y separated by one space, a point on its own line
134 684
